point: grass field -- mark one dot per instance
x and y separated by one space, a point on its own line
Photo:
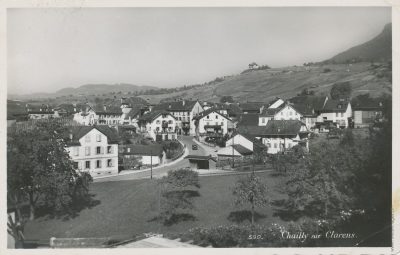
126 208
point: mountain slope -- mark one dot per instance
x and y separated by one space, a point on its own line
264 85
379 49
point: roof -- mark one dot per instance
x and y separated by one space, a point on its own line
271 111
242 150
150 116
115 110
251 106
133 113
178 106
249 137
208 111
156 242
332 105
250 119
369 104
308 105
199 157
252 130
146 150
283 127
79 131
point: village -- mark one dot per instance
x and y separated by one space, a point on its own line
131 134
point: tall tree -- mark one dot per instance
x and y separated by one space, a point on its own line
40 169
341 90
177 193
250 190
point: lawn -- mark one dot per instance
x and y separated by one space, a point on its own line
125 209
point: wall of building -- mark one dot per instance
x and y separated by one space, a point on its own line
239 139
214 118
341 118
90 140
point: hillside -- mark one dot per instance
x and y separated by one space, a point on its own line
378 49
264 85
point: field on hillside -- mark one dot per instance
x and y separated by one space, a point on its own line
127 208
264 85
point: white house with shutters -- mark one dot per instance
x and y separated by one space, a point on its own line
284 112
213 123
94 149
159 125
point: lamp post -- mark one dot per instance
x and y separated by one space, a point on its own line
233 152
151 164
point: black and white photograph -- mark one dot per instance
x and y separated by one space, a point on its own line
198 127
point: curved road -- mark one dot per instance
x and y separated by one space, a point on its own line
158 172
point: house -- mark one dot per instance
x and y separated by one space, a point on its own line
43 111
159 125
367 112
282 135
94 149
246 140
309 107
213 123
201 162
338 112
236 151
279 135
65 110
112 115
86 116
253 66
252 107
285 111
184 111
143 155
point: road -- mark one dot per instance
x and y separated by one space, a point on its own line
160 171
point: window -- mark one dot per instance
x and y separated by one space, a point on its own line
216 116
109 149
170 122
208 116
98 163
98 150
282 113
109 163
87 138
268 145
76 151
87 164
87 150
98 137
128 149
158 122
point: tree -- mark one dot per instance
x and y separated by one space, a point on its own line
250 190
40 170
226 99
341 90
177 194
324 182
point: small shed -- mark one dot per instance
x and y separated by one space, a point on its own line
201 162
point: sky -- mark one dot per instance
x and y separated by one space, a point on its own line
53 48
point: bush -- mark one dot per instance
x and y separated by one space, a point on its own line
326 70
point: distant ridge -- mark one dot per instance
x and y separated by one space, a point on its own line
90 89
379 49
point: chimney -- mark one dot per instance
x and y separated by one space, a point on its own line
169 106
71 136
183 102
105 107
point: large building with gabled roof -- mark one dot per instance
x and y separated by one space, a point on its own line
94 149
